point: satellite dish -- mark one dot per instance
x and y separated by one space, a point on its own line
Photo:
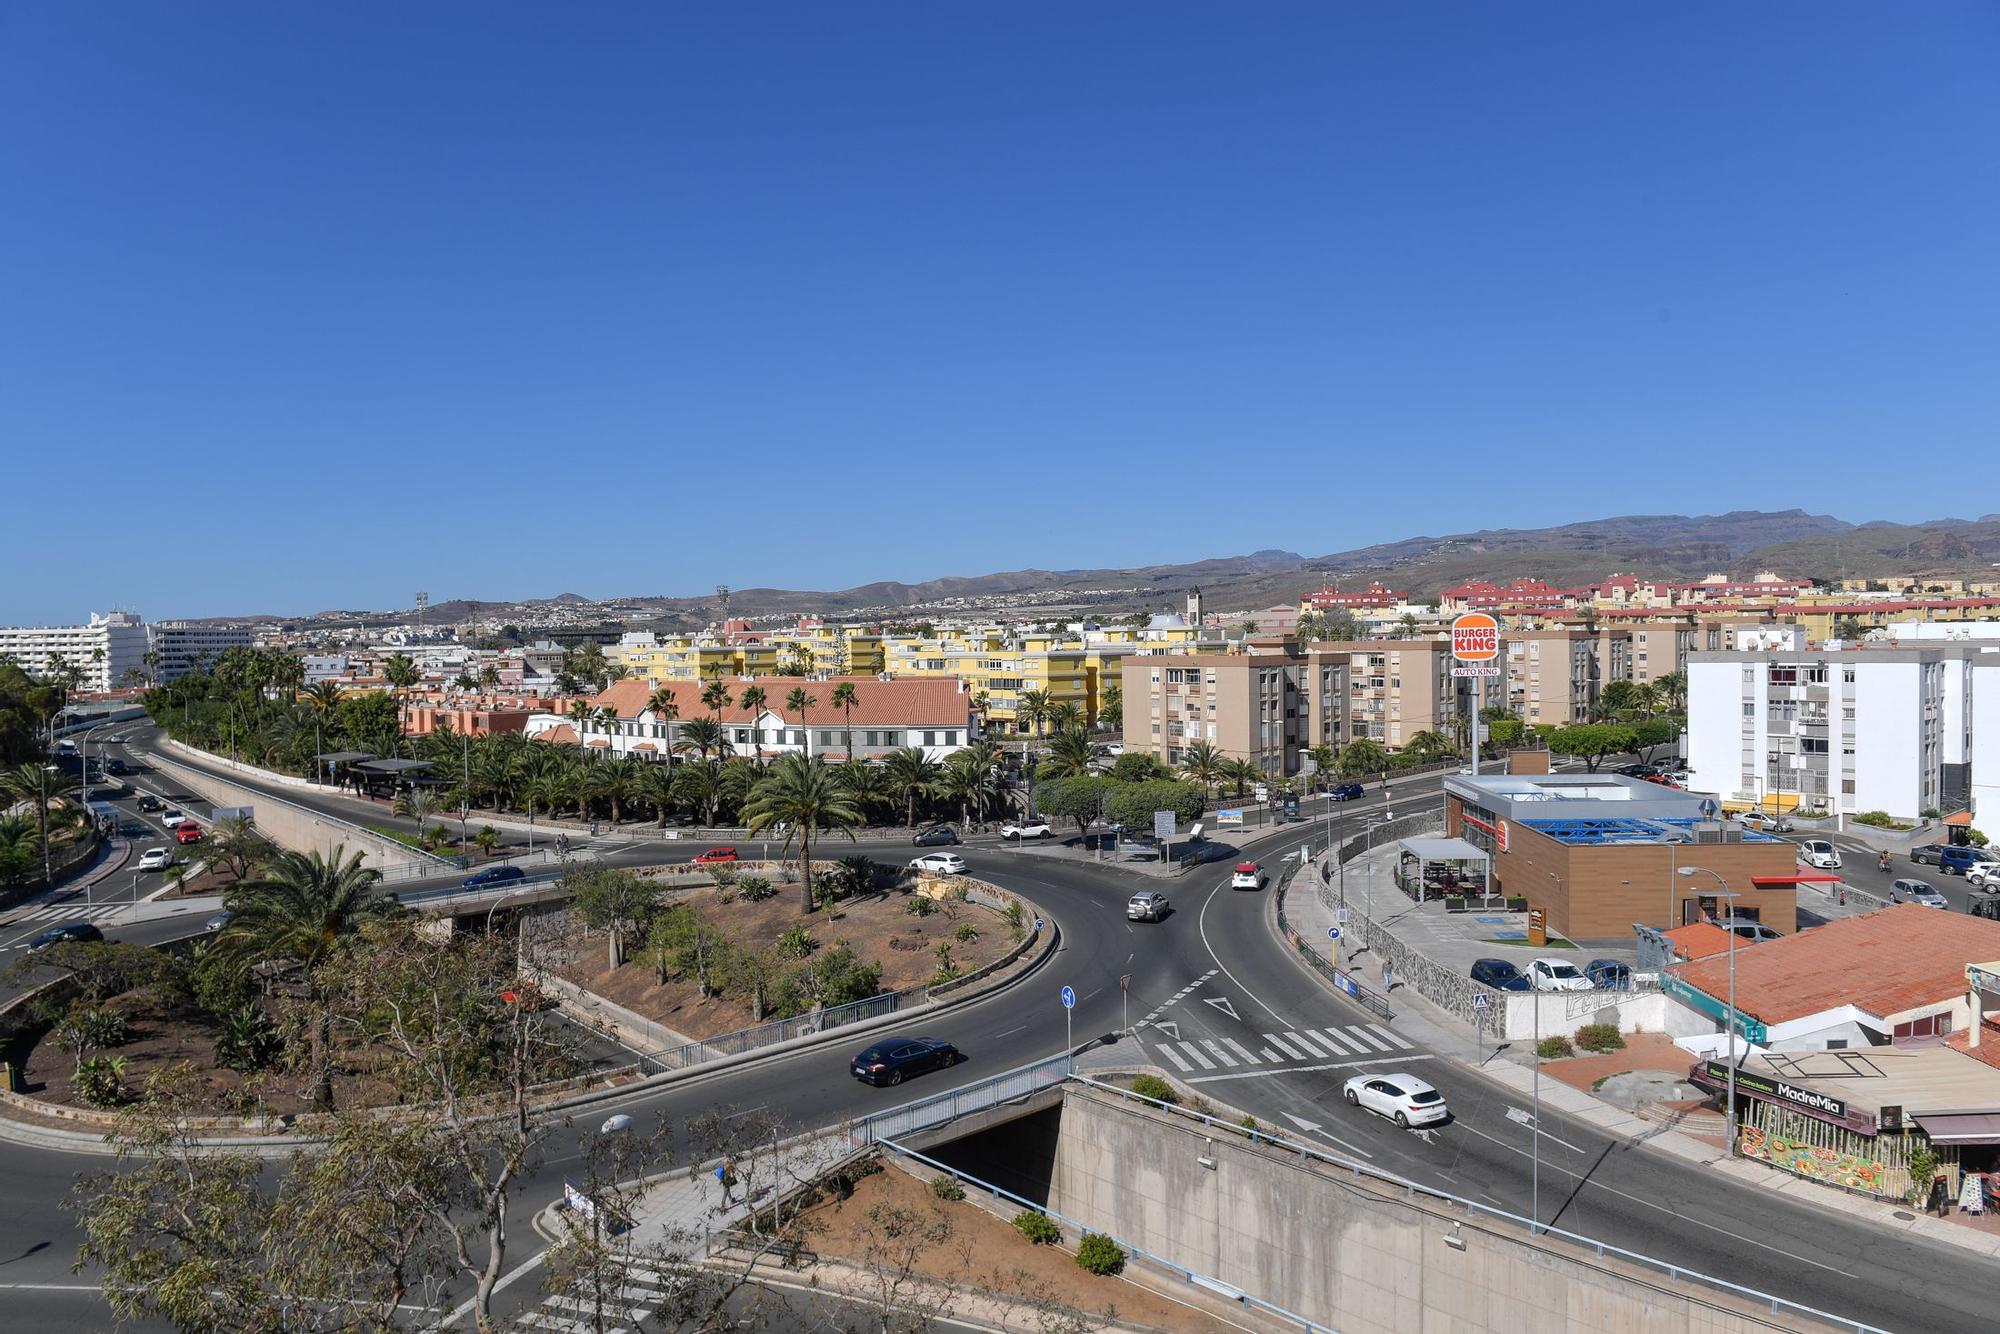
614 1125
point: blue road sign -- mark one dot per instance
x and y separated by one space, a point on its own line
1039 924
1069 998
1333 933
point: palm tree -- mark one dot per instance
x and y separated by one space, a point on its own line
1322 757
298 913
1065 714
700 786
400 670
706 736
798 701
868 784
911 773
1674 691
1363 755
802 795
1072 753
1032 707
614 780
19 847
753 704
40 784
967 780
1111 704
655 786
665 707
1646 696
1200 763
1428 746
844 700
416 804
489 677
1239 774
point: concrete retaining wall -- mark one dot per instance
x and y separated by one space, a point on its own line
293 827
1347 1252
1563 1012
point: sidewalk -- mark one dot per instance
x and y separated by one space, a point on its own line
112 858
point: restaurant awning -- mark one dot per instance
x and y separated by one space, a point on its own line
1961 1127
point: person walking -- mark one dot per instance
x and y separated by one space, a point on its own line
1388 976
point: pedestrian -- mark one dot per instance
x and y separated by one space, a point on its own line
725 1172
1387 977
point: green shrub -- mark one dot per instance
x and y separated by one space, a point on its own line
967 933
1879 819
248 1041
920 905
1555 1048
946 1189
1600 1037
1154 1087
1250 1123
1975 838
723 874
1099 1254
85 1028
1037 1228
796 943
755 888
100 1080
1014 914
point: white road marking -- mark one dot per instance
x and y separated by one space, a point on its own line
1222 1003
1166 1050
1199 1059
1202 921
1215 1049
1271 1056
1295 1053
1313 1044
1172 1030
1339 1041
1309 1069
1248 1057
1368 1038
1392 1035
1528 1119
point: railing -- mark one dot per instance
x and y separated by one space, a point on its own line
1344 982
1020 1082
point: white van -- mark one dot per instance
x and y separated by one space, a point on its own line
1817 852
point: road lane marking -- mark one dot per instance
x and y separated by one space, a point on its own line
1313 1043
1222 1003
1167 1050
1296 1053
1241 1050
1392 1035
1368 1038
1215 1049
1271 1056
1202 921
1199 1059
1309 1069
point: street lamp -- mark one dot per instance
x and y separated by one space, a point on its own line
1726 893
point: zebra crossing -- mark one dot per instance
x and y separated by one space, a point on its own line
1336 1043
71 912
640 1295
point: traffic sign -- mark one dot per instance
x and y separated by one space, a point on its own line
1479 1001
1708 808
1163 824
1040 924
1475 637
1333 933
1068 998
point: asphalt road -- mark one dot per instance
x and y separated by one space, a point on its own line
1215 972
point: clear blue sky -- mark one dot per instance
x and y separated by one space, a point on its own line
310 306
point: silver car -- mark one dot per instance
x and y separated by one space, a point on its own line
1145 906
1917 891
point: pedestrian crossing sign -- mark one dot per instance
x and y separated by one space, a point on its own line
1479 1002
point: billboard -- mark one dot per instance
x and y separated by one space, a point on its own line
1475 637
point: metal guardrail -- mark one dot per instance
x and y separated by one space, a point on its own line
1020 1082
1343 981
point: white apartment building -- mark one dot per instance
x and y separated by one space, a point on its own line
181 647
1841 732
105 650
1983 752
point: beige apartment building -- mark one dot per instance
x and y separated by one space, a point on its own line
1396 688
1556 676
1659 650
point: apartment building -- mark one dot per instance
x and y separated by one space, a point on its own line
1557 676
108 651
1830 733
1247 705
1395 688
1657 650
467 714
181 647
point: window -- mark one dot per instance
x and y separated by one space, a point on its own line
826 738
930 738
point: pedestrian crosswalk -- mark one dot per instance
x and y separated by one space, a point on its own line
1337 1043
628 1300
72 912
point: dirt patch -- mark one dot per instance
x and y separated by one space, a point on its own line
975 1249
1642 1051
879 928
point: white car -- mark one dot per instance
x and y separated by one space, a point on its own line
1984 877
170 818
1026 829
157 859
1401 1096
939 863
1770 824
1558 975
1820 854
1248 875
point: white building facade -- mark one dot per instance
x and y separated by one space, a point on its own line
181 647
105 651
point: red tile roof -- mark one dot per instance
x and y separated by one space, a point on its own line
910 702
1699 940
1988 1050
1881 962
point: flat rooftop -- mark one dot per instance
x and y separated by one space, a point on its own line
1920 1080
1591 809
1597 833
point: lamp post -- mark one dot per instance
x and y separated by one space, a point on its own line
1725 893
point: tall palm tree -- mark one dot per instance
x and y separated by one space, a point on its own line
665 707
1111 704
911 773
963 779
1363 755
400 670
1674 691
1072 753
868 784
1201 763
705 735
1239 774
753 702
844 699
1032 707
489 677
700 786
802 795
297 914
39 784
615 780
1428 746
798 701
654 785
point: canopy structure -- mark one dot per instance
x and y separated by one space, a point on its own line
1442 868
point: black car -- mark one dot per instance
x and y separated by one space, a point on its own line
892 1059
149 803
1346 792
937 836
1609 974
116 767
1499 974
68 931
492 875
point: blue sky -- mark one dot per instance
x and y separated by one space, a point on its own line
314 306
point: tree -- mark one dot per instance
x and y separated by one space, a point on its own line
1239 774
706 736
804 796
295 916
489 677
1111 704
1591 742
967 778
1032 709
1201 762
845 699
40 784
1080 798
1065 714
615 780
1427 747
1133 804
1138 766
700 785
798 701
1363 756
400 671
1673 691
235 844
753 703
1504 733
1073 752
1615 700
912 773
666 709
1653 733
615 902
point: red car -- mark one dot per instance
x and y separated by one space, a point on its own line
187 831
714 855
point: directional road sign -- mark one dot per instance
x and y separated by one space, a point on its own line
1333 933
1068 998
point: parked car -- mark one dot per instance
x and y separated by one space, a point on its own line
1984 877
1346 792
493 875
892 1060
68 931
1917 891
937 836
217 922
1026 829
187 831
712 856
1401 1096
1987 908
939 863
157 859
1662 780
1820 854
1950 859
1499 974
1770 824
1247 875
1609 974
1637 770
1749 928
1146 906
1557 975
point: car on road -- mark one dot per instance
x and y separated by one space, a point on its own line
939 863
1346 792
1247 875
1949 859
217 922
1818 853
493 875
68 931
1750 929
1146 906
1661 780
1917 891
892 1060
713 856
148 802
1770 824
170 817
1499 974
187 831
1984 877
1026 829
937 836
116 767
1637 770
1400 1096
1609 974
157 859
1557 975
